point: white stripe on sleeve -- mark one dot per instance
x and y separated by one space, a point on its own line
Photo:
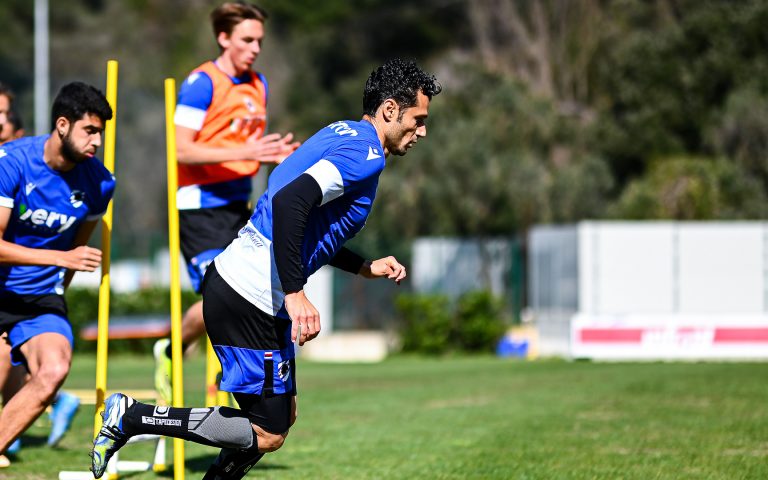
189 117
6 202
189 197
329 178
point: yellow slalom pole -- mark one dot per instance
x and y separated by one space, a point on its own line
173 245
213 396
106 237
211 370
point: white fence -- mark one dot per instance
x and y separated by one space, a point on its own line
653 290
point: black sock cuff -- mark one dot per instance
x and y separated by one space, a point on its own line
169 349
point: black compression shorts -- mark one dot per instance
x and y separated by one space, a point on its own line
211 228
206 232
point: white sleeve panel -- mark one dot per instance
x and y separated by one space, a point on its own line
189 117
189 197
329 178
6 202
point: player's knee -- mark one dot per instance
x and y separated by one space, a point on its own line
269 442
51 375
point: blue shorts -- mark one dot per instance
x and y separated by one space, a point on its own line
254 347
22 331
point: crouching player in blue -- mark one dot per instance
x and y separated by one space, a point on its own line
52 193
253 299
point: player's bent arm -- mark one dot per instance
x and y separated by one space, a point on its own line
347 260
351 262
290 209
81 238
82 258
192 153
271 148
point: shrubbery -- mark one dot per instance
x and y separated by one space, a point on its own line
426 323
83 305
432 324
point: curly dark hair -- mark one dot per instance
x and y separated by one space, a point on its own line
76 99
400 80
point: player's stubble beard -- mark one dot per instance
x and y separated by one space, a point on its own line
397 149
68 150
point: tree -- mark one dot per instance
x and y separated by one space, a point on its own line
691 188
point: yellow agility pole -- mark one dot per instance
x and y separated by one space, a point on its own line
212 369
106 237
213 396
173 245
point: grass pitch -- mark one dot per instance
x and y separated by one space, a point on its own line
475 418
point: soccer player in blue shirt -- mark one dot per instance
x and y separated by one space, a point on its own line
65 405
221 141
254 304
52 193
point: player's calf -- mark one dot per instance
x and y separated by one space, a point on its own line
221 427
233 464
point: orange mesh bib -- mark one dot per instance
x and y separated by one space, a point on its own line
236 112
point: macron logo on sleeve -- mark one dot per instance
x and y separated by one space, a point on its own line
373 153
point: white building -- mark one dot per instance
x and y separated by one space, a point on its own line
651 290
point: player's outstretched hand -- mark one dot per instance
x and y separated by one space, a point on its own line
81 259
289 146
304 316
272 148
386 267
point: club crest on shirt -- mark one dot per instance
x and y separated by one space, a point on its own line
76 198
284 370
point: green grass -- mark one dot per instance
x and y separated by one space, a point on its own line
478 418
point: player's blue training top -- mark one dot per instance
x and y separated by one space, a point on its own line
345 159
47 208
195 97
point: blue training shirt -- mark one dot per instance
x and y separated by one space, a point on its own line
346 159
195 97
47 209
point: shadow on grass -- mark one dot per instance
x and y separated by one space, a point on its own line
201 463
33 440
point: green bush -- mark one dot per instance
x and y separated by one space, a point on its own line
83 306
479 321
432 324
425 323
